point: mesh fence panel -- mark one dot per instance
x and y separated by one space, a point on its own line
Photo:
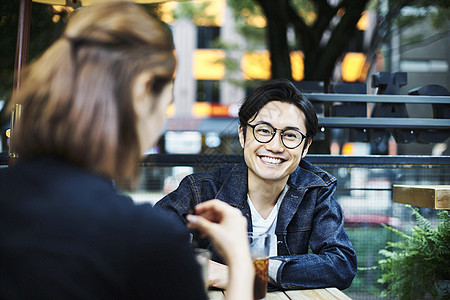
364 192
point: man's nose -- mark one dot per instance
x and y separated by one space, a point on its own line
275 145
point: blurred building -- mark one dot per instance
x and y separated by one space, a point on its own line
422 51
207 93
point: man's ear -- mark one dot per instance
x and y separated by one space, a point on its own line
141 93
306 147
241 136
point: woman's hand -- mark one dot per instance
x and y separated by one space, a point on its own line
227 229
223 224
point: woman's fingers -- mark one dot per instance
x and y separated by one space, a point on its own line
224 224
200 223
213 210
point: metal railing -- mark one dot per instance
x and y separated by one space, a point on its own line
167 160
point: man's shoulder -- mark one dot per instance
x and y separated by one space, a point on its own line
308 175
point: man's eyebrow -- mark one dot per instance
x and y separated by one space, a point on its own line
285 128
292 127
263 122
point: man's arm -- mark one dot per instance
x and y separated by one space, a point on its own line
179 202
333 260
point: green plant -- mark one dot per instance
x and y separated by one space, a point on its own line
412 266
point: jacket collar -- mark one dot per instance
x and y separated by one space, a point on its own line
307 176
235 186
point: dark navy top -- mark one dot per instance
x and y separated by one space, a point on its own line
66 233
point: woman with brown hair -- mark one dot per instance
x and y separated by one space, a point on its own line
91 105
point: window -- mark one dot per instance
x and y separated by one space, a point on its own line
206 35
208 91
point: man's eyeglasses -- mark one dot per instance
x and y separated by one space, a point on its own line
264 133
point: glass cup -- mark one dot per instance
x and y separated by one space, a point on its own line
15 118
259 249
203 256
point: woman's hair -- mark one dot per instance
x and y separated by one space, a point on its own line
77 97
278 90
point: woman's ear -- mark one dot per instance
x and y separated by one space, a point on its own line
241 136
141 93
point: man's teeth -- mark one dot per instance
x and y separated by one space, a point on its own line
271 160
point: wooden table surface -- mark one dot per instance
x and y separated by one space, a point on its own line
430 196
316 294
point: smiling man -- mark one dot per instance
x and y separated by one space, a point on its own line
279 193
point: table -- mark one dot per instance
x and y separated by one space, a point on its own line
316 294
429 196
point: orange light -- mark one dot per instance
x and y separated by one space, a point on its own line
213 13
347 149
206 110
363 22
201 109
219 110
257 21
208 64
170 112
341 12
256 65
353 66
297 65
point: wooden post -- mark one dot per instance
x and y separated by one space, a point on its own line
23 40
21 61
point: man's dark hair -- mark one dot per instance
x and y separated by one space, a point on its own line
278 90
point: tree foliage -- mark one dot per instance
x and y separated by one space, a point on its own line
322 30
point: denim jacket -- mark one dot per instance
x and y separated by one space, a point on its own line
309 216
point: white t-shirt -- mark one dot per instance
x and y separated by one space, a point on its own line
261 225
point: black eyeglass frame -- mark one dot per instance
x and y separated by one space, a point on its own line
304 136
